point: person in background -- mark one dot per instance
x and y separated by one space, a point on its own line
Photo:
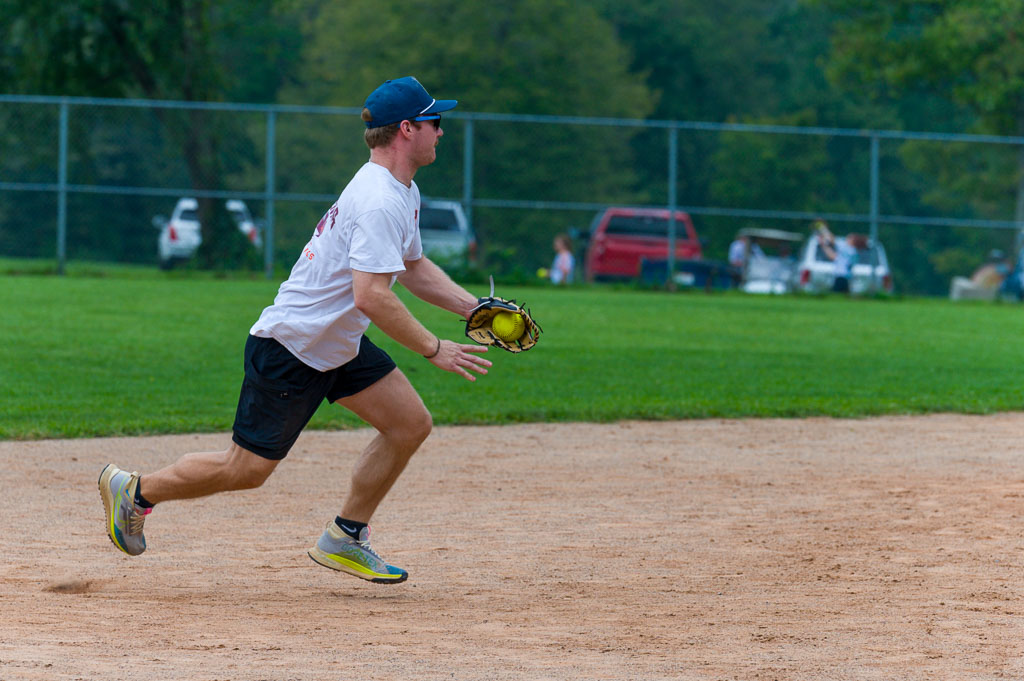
741 250
842 252
561 271
986 280
992 273
738 252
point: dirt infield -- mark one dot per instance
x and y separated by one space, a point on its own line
887 548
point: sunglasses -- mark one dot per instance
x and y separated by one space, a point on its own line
433 119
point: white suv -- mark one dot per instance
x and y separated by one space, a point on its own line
815 272
445 232
181 235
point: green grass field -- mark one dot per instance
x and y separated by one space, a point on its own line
137 353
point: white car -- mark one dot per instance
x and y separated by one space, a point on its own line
243 220
767 274
815 272
181 235
445 232
769 265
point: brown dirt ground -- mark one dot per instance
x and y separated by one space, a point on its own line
886 548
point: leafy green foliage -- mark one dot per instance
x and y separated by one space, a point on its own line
912 64
493 57
960 53
966 50
190 50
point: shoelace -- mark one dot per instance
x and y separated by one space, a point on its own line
137 518
365 545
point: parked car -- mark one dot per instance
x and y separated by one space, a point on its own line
769 263
239 212
445 232
620 238
816 272
181 235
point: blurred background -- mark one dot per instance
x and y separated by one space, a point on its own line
900 118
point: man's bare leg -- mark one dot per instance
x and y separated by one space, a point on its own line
203 473
392 406
193 475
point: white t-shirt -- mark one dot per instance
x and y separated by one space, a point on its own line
561 268
372 227
737 253
846 254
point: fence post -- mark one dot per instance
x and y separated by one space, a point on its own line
874 213
268 227
62 189
1018 209
467 173
673 156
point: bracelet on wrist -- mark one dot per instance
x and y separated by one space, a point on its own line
436 350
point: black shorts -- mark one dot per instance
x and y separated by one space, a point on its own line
280 393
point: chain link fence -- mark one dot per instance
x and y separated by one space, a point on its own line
82 179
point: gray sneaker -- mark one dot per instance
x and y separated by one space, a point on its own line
124 518
338 551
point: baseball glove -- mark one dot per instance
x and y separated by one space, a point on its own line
480 320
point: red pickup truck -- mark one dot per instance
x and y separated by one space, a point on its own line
620 237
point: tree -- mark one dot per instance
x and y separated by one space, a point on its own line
554 57
969 53
189 50
764 61
754 61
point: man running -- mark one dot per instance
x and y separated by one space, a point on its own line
311 345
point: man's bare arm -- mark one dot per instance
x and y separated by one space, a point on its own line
429 283
375 299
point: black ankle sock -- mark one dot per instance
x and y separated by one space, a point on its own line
349 527
139 499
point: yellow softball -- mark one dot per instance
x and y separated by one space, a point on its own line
508 326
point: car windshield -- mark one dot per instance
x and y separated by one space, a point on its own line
190 215
439 220
643 225
768 267
864 255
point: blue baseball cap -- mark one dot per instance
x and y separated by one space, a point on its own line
403 99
